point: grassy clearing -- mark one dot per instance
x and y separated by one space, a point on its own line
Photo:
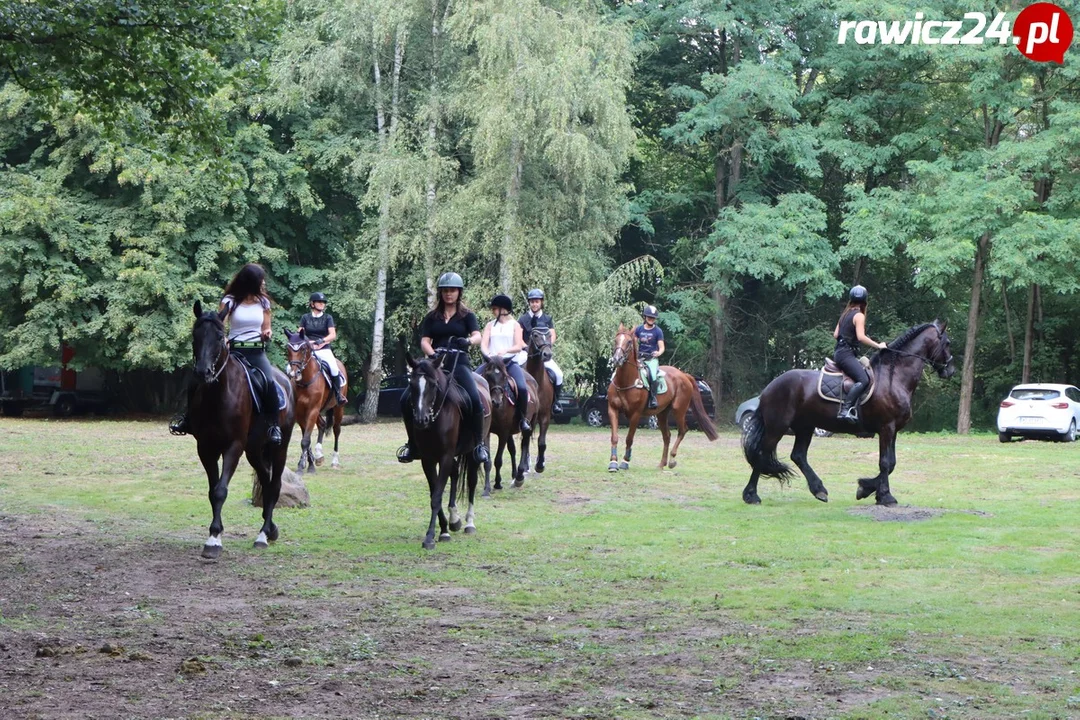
640 594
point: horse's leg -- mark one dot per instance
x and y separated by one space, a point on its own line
749 493
219 490
470 520
499 462
631 431
541 444
433 473
680 421
318 453
613 418
768 447
798 455
444 526
307 460
879 485
520 468
526 444
339 413
665 432
271 491
305 439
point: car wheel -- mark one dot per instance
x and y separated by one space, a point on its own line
744 422
652 423
820 432
1004 437
64 407
594 418
1070 434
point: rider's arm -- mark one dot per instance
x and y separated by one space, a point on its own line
266 332
836 332
331 336
659 348
485 341
519 340
474 337
860 333
426 347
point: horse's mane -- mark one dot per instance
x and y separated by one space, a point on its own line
898 344
455 393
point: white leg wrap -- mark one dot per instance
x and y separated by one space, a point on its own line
261 539
212 541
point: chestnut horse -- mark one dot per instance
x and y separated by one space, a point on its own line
792 401
313 396
223 422
539 351
504 421
627 395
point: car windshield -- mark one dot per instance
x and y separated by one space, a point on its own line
1034 394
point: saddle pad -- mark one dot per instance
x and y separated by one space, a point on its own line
511 393
249 372
831 384
661 385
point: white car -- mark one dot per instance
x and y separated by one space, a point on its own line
1040 410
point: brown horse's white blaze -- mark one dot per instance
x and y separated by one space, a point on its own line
314 396
626 395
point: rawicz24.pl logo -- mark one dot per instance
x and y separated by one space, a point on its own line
1042 32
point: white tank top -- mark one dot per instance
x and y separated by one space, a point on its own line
502 339
245 323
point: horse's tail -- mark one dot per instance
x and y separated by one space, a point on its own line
704 421
764 462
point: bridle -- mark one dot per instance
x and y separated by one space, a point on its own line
299 366
938 366
215 369
449 379
537 332
624 355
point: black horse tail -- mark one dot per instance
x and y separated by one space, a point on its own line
704 421
763 462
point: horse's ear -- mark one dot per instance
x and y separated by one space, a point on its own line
223 314
942 324
438 361
300 333
197 309
622 328
486 358
409 359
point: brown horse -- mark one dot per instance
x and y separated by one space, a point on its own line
442 438
627 394
314 395
792 401
222 419
539 350
504 421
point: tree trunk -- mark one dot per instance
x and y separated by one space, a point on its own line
432 131
513 193
714 372
967 382
1008 323
1029 335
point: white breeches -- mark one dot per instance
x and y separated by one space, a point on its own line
327 356
553 367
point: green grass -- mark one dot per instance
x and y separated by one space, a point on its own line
974 613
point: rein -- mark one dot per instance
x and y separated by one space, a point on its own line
449 381
301 365
219 370
938 366
623 364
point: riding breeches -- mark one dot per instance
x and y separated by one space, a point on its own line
269 398
327 356
652 365
847 361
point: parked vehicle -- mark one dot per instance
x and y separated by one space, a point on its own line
1045 411
390 390
747 408
595 410
61 389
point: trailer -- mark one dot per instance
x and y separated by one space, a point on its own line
58 388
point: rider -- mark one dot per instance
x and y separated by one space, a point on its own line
850 331
248 306
319 327
534 318
504 337
650 347
450 326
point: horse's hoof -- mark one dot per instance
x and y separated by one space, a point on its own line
751 499
445 537
866 489
498 486
613 466
261 545
335 465
428 544
624 465
518 483
211 552
454 526
470 529
539 467
311 469
486 493
671 465
887 500
272 536
823 496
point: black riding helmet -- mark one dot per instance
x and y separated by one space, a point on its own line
649 311
317 297
857 294
502 301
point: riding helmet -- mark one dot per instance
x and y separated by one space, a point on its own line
649 311
450 280
536 294
502 301
317 297
858 294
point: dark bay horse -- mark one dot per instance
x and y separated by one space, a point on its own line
539 352
314 395
792 401
627 394
224 424
504 422
442 438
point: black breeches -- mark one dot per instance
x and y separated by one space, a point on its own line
518 373
269 397
464 375
849 363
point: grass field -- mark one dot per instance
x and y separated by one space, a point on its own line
642 594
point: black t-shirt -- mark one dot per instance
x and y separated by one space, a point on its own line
848 334
528 321
316 328
440 331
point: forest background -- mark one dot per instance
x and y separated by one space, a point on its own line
728 162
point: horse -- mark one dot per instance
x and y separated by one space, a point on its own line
504 423
539 352
444 449
223 422
314 394
792 401
628 394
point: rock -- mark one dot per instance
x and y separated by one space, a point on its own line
192 666
139 655
110 649
293 492
294 662
46 651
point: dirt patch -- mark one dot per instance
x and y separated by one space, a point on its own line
906 513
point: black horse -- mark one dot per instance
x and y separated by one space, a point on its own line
442 438
223 421
792 401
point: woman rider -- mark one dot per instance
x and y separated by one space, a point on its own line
850 331
248 306
320 330
450 326
503 337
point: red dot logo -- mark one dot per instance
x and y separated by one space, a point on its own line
1043 32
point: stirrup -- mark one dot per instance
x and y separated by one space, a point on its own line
273 435
848 414
179 424
480 454
342 400
556 408
652 404
405 454
524 425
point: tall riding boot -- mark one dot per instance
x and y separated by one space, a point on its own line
653 382
342 400
480 453
522 406
556 409
270 411
179 424
848 411
406 453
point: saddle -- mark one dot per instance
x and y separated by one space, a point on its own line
257 383
833 384
642 380
511 391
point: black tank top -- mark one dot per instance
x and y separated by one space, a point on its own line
847 330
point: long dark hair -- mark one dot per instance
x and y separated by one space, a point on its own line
462 308
859 305
247 283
